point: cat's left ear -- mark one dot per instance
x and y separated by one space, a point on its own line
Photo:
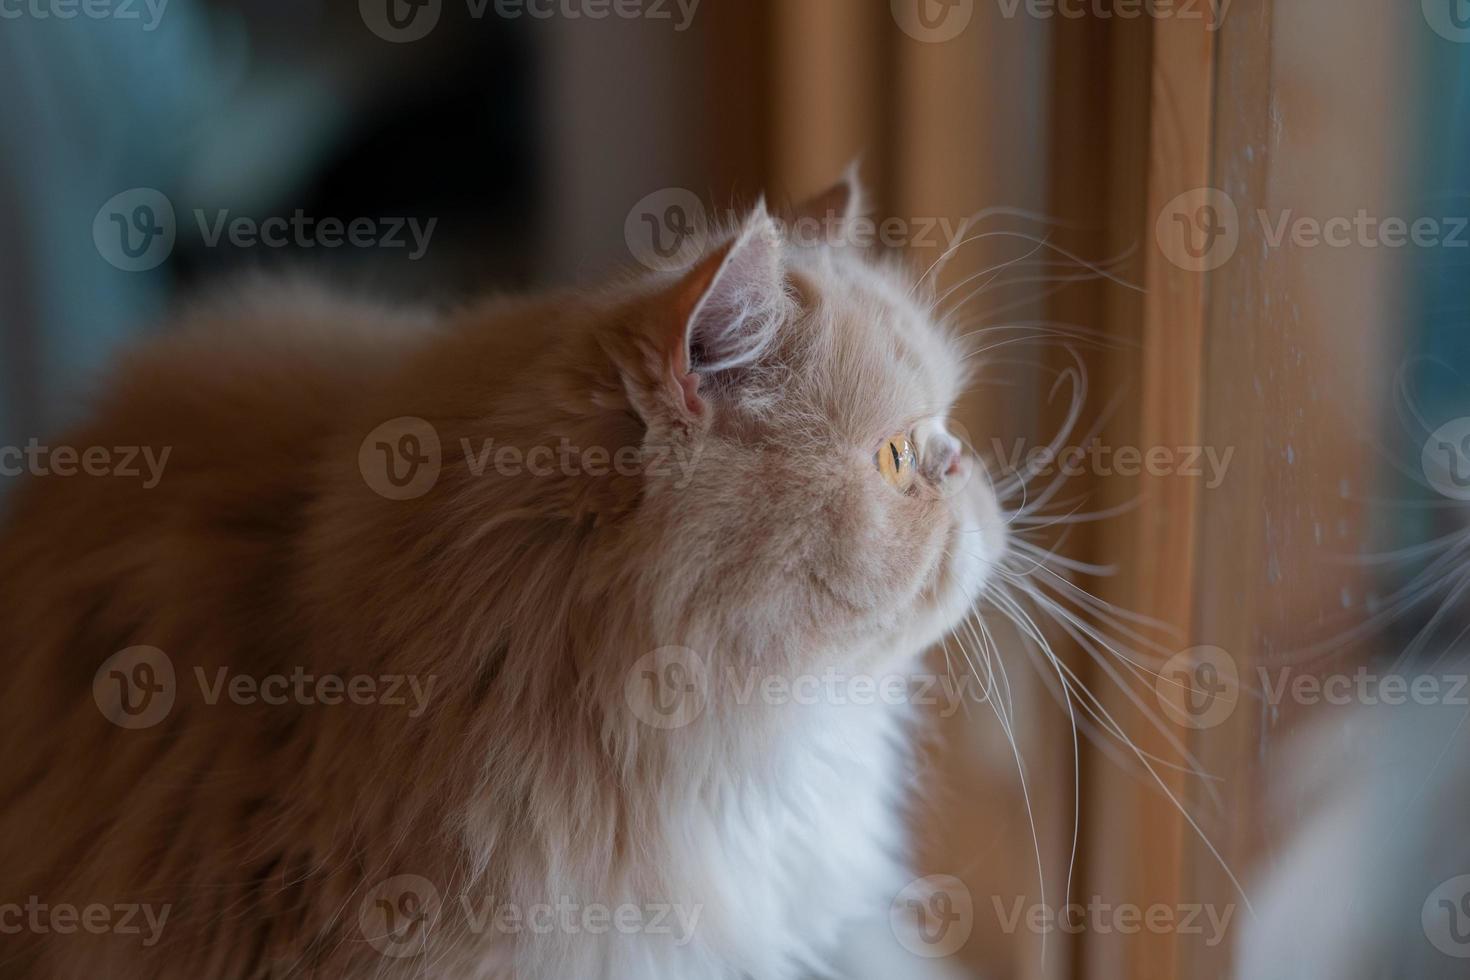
718 320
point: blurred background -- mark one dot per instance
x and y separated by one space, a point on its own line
1132 178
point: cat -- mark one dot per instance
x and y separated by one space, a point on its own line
432 651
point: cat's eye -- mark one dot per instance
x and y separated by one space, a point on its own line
895 460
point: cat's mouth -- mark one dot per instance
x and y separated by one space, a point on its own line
973 550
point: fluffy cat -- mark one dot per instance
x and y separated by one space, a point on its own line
557 709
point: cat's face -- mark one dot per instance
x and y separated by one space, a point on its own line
832 504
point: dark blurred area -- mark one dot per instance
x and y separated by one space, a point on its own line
457 136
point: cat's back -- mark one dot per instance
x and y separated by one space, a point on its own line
168 519
226 407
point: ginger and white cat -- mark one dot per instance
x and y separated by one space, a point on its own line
539 625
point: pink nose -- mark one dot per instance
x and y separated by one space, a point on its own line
948 457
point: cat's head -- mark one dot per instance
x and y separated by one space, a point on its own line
819 499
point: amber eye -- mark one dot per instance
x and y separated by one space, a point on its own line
895 461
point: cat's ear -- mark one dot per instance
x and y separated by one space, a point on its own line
723 314
834 210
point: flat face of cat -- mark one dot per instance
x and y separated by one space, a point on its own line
832 505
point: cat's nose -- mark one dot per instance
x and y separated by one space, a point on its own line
945 457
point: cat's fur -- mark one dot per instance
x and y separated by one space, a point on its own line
527 601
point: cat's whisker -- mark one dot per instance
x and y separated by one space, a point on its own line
998 281
1072 686
937 266
1005 717
997 268
1022 477
1430 583
1048 327
1047 587
1036 640
1071 590
1037 522
1099 270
